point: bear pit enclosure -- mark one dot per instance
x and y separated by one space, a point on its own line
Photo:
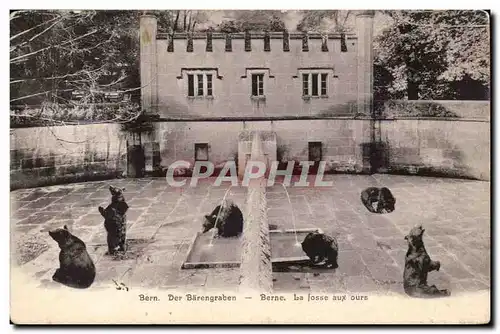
168 220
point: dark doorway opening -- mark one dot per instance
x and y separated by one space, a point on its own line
315 155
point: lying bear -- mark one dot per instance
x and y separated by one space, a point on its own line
227 218
115 221
320 247
417 265
76 268
383 198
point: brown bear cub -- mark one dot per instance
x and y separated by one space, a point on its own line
383 198
319 247
76 268
115 221
227 218
417 265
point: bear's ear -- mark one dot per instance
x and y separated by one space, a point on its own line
123 189
66 227
406 237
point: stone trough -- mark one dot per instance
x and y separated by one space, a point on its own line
226 252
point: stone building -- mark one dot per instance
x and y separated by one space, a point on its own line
301 91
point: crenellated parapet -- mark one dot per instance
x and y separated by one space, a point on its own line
254 40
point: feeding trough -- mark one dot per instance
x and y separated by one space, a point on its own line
206 252
286 245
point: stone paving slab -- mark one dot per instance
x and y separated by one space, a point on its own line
455 213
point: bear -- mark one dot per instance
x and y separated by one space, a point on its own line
115 221
76 268
229 222
417 265
382 196
319 247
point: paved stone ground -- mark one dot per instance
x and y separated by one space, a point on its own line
162 222
455 215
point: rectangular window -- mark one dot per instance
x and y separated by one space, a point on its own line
190 85
200 84
209 84
314 84
257 84
315 151
201 152
323 83
305 84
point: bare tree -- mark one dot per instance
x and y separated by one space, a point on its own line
72 59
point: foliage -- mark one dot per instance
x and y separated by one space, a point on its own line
428 53
404 108
253 20
326 21
179 20
59 114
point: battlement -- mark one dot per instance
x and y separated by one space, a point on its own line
317 41
253 35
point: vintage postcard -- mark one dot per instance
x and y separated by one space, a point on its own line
250 167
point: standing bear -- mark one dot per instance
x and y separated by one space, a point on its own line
227 218
76 268
417 265
319 247
115 221
382 198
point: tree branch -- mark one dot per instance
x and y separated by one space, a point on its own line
21 57
28 30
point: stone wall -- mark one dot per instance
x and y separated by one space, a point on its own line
438 147
459 148
342 140
51 155
256 268
63 154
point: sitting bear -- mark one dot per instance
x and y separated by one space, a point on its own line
76 268
115 221
319 246
417 264
229 222
382 196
